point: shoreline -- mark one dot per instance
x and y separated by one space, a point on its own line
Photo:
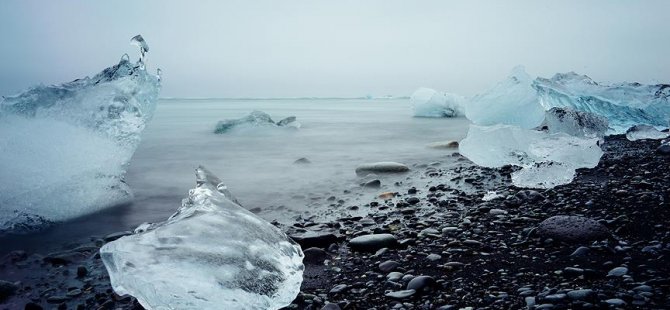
452 248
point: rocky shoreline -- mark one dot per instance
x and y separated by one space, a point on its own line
438 247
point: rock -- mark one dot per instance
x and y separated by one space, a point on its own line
443 145
571 228
394 276
386 195
617 272
555 298
581 251
373 242
373 184
615 302
315 256
413 200
583 294
664 149
302 161
529 195
401 294
331 306
433 257
340 288
497 212
33 306
7 289
381 167
81 271
318 239
421 284
388 265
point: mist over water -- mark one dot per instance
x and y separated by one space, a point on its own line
257 164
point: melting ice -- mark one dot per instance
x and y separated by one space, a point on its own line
427 102
211 254
64 148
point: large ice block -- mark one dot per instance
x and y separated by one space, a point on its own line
546 159
575 123
211 254
512 101
64 148
623 104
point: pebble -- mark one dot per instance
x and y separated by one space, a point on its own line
617 272
388 266
572 228
373 242
401 294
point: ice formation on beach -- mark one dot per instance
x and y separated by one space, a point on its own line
512 101
623 104
575 123
427 102
64 148
210 254
546 159
639 132
255 119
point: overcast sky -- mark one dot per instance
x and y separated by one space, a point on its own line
334 48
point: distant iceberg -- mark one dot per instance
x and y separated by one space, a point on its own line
256 119
64 148
512 102
623 104
427 102
210 254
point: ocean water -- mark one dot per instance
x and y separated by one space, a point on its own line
258 164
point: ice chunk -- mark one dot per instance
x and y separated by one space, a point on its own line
427 102
512 102
623 104
639 132
254 120
546 160
138 40
575 123
64 148
211 254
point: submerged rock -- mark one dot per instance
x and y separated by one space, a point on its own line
210 254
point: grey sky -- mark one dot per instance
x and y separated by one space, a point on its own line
334 48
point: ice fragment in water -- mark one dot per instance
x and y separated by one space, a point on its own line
623 104
639 132
211 254
64 148
256 119
512 101
427 102
546 160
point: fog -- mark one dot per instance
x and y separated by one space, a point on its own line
334 48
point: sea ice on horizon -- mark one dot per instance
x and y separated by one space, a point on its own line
546 159
64 148
210 254
427 102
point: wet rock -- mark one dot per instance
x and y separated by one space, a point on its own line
583 294
316 239
617 272
388 265
373 184
373 242
7 289
331 306
315 256
421 284
571 228
380 168
340 288
302 161
401 294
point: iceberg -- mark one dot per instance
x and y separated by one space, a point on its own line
575 123
427 102
546 159
623 104
256 119
639 132
512 101
211 254
64 148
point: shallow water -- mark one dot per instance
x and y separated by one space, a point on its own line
257 164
